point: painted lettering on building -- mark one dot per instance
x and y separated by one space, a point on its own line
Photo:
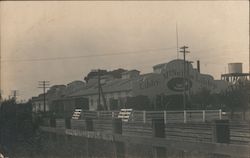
198 78
148 84
177 84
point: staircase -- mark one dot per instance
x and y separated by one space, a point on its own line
77 114
125 114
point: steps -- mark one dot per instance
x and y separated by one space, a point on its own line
125 114
77 114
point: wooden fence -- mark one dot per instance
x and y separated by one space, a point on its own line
168 116
195 126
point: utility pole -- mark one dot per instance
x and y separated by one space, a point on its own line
0 73
44 85
104 100
14 94
99 90
101 94
188 74
184 51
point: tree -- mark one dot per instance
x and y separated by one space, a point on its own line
15 125
236 98
174 102
117 73
114 104
94 74
202 98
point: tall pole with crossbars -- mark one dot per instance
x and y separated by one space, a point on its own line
184 51
44 85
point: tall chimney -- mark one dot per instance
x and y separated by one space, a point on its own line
198 65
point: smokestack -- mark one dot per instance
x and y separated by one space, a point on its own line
198 66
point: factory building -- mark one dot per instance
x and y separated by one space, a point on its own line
166 79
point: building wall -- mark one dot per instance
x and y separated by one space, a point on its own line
120 96
66 106
168 82
149 85
157 70
167 79
38 106
130 74
171 82
74 86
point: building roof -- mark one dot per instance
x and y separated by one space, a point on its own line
129 71
115 85
75 82
159 65
167 63
40 97
55 92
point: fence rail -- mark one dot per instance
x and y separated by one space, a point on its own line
168 116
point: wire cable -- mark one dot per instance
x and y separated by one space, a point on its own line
88 56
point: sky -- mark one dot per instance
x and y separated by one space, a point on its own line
61 41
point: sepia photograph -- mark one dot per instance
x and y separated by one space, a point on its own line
125 79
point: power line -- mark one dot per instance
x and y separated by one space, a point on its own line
86 56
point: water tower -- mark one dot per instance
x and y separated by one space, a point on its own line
235 68
235 73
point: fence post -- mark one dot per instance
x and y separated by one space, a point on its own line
204 116
185 116
221 131
144 116
165 117
220 114
132 116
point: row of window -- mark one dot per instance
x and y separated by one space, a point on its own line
93 100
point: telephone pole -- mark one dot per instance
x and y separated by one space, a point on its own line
14 94
44 85
99 90
184 51
101 94
188 79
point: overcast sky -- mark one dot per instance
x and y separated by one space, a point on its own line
62 41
